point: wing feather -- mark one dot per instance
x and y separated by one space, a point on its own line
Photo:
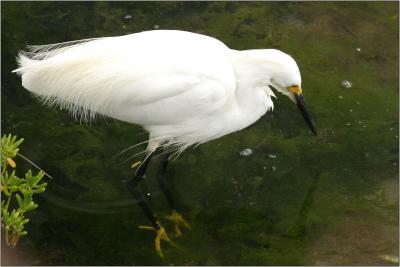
132 77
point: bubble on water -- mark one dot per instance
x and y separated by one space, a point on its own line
273 168
128 16
391 129
246 152
340 97
358 49
156 26
364 126
272 156
148 194
358 103
346 84
348 124
350 110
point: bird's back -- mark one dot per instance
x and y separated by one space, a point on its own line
121 76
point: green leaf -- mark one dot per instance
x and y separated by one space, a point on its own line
5 214
27 200
19 200
16 144
39 190
31 206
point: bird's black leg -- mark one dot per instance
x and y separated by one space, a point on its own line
162 181
175 217
139 196
133 187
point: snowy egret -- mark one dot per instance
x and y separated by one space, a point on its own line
183 88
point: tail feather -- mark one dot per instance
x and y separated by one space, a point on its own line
41 52
41 72
23 61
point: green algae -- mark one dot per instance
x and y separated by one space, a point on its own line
319 201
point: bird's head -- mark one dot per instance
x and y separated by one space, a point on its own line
285 78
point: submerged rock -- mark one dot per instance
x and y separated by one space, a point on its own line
390 258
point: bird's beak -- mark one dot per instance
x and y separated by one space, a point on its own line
296 94
304 111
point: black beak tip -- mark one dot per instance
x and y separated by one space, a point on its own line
311 125
305 113
314 131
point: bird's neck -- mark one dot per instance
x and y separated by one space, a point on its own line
252 76
254 68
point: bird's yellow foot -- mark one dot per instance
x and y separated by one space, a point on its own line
178 221
161 234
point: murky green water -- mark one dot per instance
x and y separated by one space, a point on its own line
298 199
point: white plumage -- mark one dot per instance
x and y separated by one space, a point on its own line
183 88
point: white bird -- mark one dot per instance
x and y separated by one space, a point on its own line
183 88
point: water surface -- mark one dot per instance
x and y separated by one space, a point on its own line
296 200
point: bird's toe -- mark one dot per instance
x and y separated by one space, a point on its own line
178 222
161 234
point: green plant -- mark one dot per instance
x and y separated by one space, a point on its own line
17 193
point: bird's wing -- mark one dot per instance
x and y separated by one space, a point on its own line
170 99
144 78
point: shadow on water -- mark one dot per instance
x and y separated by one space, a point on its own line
299 228
294 199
